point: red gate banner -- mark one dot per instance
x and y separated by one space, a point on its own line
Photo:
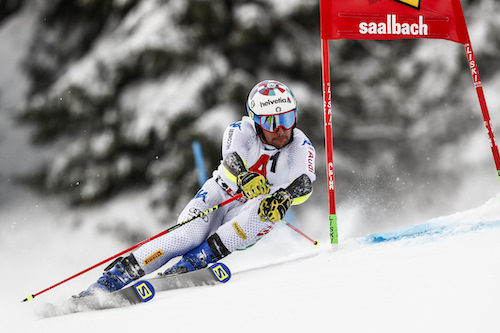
392 19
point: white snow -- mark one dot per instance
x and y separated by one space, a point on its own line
445 282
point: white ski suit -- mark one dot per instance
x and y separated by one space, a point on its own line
237 224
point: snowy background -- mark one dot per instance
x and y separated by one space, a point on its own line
93 137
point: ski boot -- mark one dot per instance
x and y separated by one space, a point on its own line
118 274
210 251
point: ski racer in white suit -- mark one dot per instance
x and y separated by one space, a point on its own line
264 156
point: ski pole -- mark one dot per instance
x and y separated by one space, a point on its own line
315 242
30 297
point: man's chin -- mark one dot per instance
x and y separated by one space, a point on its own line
280 143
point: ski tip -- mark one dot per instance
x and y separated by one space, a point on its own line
221 272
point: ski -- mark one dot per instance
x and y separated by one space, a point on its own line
141 291
144 290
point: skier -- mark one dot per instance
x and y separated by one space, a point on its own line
266 158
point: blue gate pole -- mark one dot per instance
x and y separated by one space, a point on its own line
200 163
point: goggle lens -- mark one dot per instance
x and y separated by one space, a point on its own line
272 122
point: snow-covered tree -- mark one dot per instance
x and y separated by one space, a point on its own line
124 88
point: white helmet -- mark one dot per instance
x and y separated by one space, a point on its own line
271 105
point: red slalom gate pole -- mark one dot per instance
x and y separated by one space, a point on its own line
328 120
482 102
30 297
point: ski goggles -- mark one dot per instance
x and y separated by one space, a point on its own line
271 123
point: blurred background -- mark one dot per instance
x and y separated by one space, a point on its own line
101 100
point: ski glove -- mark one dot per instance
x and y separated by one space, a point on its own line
252 184
274 207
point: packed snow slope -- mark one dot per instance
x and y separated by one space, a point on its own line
439 276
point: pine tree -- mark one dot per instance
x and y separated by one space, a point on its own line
125 87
